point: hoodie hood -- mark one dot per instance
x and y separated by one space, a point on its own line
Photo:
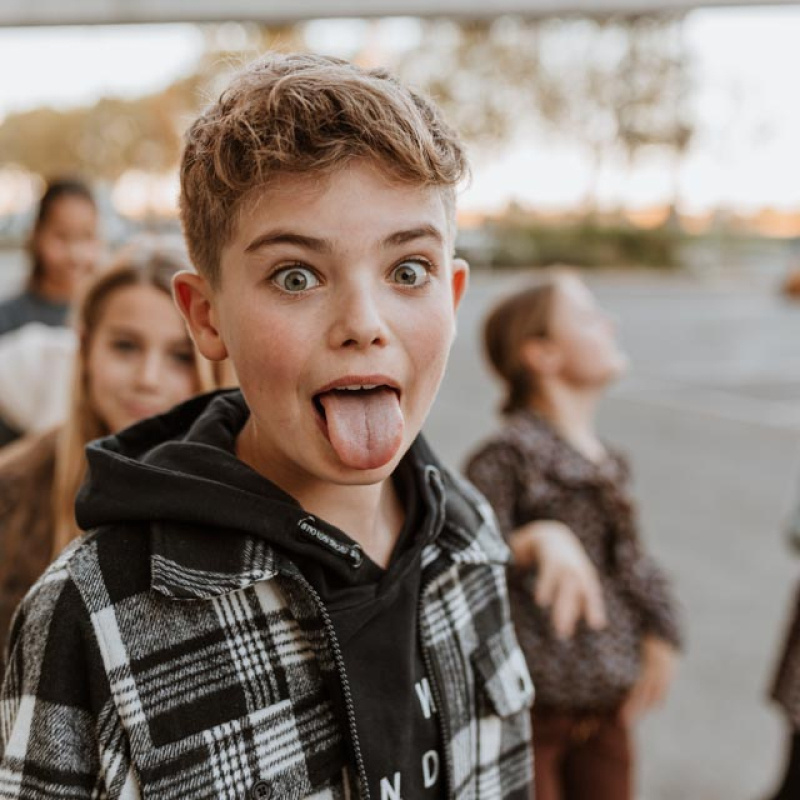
180 467
179 475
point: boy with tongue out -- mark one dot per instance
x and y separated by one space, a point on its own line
283 594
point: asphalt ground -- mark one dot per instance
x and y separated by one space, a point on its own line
710 415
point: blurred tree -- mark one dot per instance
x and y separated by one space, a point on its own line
614 86
484 74
104 140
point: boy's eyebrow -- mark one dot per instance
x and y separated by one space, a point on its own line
287 237
422 232
271 238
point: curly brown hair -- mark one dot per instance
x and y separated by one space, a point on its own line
298 114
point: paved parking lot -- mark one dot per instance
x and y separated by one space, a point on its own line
710 415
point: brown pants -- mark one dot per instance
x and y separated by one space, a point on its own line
582 757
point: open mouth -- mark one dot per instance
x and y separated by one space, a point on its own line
352 392
362 420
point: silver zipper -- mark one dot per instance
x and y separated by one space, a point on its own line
434 477
346 692
444 722
432 474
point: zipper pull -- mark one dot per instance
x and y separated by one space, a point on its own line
352 552
356 556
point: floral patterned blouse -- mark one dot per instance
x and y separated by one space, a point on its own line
529 472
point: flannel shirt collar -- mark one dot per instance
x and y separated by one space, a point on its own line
198 564
469 535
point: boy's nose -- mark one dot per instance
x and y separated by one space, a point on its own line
358 322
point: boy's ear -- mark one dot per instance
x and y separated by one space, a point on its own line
195 300
460 280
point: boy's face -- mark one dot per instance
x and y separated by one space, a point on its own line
331 285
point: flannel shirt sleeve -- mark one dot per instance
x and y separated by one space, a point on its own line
60 734
495 474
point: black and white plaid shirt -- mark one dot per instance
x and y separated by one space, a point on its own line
168 661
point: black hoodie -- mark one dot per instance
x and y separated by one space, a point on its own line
182 468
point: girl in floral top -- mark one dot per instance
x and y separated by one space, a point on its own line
594 613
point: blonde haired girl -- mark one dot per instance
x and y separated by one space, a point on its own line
135 359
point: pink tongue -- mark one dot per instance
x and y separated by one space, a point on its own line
365 428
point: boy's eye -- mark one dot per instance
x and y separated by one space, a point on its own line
410 273
295 279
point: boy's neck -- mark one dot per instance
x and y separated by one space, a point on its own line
573 414
372 514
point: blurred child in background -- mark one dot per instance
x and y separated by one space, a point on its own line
64 247
562 500
134 360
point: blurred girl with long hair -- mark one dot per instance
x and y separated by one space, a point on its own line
135 359
603 655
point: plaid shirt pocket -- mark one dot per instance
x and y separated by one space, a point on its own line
504 693
501 669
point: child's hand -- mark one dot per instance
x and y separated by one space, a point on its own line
659 661
567 582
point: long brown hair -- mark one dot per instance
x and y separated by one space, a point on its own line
56 190
136 267
518 318
26 528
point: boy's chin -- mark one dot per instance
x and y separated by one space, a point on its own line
350 476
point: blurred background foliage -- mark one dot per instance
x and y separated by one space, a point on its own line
608 84
614 87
